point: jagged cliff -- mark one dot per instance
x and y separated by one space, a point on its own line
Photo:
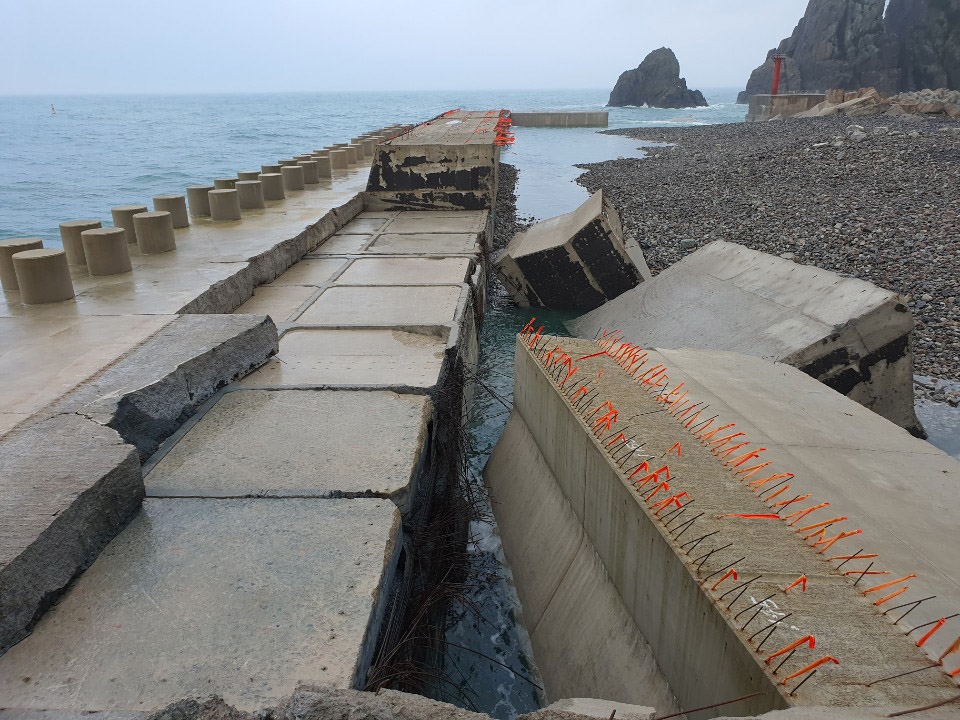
852 43
657 83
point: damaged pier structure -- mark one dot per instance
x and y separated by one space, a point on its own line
249 488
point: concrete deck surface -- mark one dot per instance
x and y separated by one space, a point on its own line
369 442
396 305
241 597
113 314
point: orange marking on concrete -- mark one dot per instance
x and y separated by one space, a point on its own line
642 467
842 518
693 419
576 395
587 357
851 557
681 415
732 572
738 461
940 623
800 514
892 595
677 447
753 516
821 532
868 572
784 503
810 667
954 647
830 542
704 436
757 484
730 451
953 673
571 371
665 486
605 404
619 438
664 504
778 492
725 440
885 585
607 420
802 582
747 472
808 640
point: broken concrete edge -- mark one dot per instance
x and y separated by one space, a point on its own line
97 487
191 358
315 702
227 295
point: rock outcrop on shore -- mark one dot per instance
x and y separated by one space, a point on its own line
855 43
657 83
873 198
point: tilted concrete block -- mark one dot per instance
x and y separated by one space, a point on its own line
847 333
67 486
575 261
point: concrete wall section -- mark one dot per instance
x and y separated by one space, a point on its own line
599 118
849 334
769 107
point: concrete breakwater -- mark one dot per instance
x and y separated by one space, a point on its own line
713 526
292 520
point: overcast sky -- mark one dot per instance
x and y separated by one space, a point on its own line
130 46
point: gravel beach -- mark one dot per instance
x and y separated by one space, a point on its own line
873 197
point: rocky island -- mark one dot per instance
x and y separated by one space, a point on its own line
657 83
905 45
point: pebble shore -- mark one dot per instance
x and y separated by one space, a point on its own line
876 198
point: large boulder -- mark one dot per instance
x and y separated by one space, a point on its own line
657 83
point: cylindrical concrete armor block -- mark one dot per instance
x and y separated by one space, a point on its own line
176 205
123 217
298 158
249 174
272 186
155 232
106 251
43 276
292 177
339 159
339 145
199 200
224 183
310 175
8 277
270 169
324 167
250 194
224 205
351 151
287 163
368 145
72 244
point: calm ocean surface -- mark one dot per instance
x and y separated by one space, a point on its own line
97 152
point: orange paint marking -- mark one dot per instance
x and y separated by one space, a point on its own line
730 451
587 357
607 420
954 647
664 486
808 668
747 472
842 518
642 467
953 673
885 585
868 572
621 438
784 503
704 436
677 447
725 440
577 395
664 504
801 581
757 484
808 640
829 542
800 514
892 595
753 516
693 419
940 623
851 557
732 572
778 492
738 461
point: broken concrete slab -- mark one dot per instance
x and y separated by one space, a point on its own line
67 486
371 306
371 443
341 245
380 357
171 609
407 271
444 244
309 271
575 261
847 333
151 391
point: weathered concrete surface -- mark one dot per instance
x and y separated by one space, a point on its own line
278 302
577 624
67 486
243 598
407 271
598 118
593 708
575 261
849 334
834 450
387 357
768 107
449 162
323 443
150 392
398 305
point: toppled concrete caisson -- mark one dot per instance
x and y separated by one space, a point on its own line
575 261
849 334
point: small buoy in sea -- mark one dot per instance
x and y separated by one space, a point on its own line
53 110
